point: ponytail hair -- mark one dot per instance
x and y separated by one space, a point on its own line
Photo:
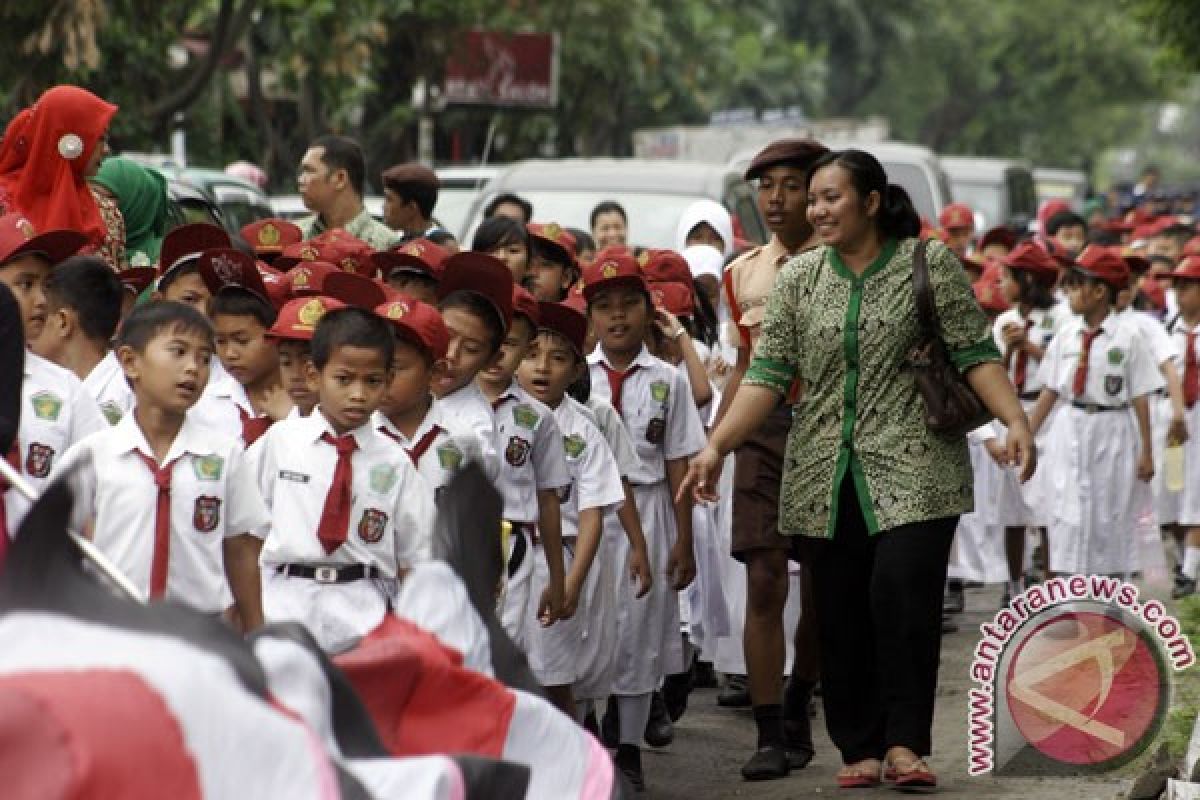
896 218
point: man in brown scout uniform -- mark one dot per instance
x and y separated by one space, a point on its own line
331 183
783 744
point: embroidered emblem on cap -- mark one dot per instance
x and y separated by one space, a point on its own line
300 278
228 270
397 309
310 313
643 258
414 249
349 264
70 146
26 228
309 253
610 269
552 231
268 235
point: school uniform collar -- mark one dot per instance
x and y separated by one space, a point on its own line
470 391
434 416
227 386
776 252
511 392
192 439
316 426
642 359
105 369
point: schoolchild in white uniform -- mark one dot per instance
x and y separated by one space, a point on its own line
249 397
1022 334
654 401
83 298
1103 459
171 502
349 513
531 480
1184 330
410 415
292 334
552 363
56 411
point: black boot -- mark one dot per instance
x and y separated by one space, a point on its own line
659 730
797 723
706 676
629 763
736 693
675 691
767 764
610 727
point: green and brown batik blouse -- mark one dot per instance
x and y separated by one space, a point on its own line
846 338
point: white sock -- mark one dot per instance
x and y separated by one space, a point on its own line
634 713
1191 561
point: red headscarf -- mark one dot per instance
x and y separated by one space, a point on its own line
14 147
49 185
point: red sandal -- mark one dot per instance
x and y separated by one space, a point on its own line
910 774
859 777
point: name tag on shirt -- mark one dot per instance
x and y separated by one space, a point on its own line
295 477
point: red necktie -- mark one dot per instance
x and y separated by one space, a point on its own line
253 427
1081 370
335 517
1022 366
14 459
161 559
423 444
1191 371
616 382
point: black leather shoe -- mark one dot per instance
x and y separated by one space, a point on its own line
797 725
767 764
659 730
629 762
706 676
675 691
736 693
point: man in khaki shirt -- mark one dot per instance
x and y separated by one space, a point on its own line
331 181
783 743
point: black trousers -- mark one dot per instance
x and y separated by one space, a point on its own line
879 616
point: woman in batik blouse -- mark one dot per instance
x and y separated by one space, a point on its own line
872 495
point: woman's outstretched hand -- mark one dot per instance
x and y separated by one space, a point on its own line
704 471
1021 449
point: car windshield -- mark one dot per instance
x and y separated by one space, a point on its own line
984 198
453 206
916 183
652 216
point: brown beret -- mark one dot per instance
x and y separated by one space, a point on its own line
792 152
411 173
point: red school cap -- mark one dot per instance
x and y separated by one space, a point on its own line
665 266
566 321
1187 269
419 255
1104 264
957 215
187 242
1034 259
553 236
418 323
485 275
225 267
674 297
298 318
137 279
354 290
308 278
18 238
270 236
525 305
613 267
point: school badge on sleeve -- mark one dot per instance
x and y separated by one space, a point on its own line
372 525
46 405
574 445
1113 384
206 514
517 452
449 457
660 391
655 430
38 460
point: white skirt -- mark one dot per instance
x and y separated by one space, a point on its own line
1015 504
1189 501
703 607
1168 506
514 606
596 659
978 550
1093 476
552 651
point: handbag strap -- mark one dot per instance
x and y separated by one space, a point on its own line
923 292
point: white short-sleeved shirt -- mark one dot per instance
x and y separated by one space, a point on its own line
107 385
1046 323
222 404
213 496
1154 334
56 413
658 411
391 515
448 449
529 442
1178 331
469 409
615 433
595 479
1120 364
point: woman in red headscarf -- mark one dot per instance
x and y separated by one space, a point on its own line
59 142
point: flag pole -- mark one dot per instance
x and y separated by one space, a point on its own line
91 553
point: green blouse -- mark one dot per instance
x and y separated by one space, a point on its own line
846 338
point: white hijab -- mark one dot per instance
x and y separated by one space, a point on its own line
708 211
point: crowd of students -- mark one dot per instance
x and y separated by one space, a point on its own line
258 426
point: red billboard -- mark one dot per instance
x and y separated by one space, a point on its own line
503 69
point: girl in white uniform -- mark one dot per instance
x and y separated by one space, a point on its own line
1103 458
654 401
1185 335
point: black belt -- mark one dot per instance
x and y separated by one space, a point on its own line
1029 396
1096 408
519 547
330 574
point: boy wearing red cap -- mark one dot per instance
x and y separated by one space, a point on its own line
554 361
349 513
553 268
248 397
413 268
1101 367
530 442
410 415
958 227
169 500
56 411
292 334
179 277
655 404
1184 506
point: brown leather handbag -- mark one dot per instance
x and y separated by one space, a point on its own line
952 408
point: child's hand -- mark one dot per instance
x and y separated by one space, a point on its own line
1177 433
639 570
1145 467
667 322
570 598
996 451
551 604
1014 335
681 567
